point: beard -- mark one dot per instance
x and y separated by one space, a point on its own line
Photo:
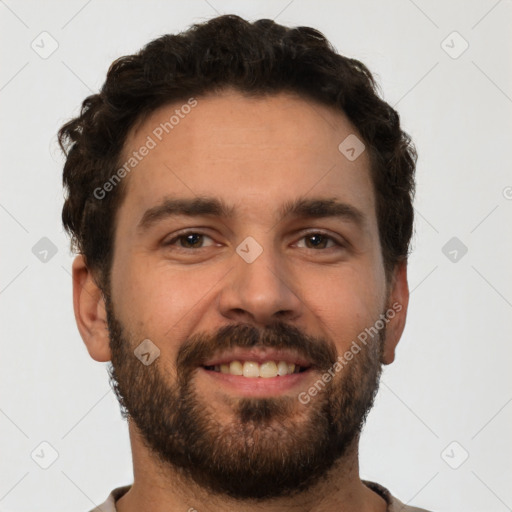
271 447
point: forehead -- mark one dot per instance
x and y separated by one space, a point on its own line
254 152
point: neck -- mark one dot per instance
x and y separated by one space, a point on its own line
161 489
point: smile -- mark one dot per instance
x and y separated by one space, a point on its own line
253 369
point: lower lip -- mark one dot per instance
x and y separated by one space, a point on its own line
259 386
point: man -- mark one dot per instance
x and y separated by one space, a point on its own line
241 202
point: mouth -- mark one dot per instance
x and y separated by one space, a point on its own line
254 369
258 373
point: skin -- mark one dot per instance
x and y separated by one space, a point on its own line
275 149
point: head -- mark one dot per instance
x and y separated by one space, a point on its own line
193 179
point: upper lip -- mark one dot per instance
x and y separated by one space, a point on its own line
258 355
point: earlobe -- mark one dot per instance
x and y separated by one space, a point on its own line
398 303
90 313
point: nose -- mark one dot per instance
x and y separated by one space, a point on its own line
262 291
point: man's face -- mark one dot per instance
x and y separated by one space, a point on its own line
253 287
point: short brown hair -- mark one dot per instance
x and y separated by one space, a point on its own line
256 58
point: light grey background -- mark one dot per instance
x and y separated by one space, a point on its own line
451 380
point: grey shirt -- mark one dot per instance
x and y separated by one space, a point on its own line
394 505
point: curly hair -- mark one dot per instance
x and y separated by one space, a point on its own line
257 59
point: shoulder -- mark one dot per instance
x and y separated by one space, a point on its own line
394 504
109 505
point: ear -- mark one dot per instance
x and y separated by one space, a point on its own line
90 313
398 301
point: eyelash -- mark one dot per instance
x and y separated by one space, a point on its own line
184 234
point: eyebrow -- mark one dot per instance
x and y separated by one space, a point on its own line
302 208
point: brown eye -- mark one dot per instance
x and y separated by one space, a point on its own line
188 240
318 240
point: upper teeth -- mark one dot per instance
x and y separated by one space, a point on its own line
254 369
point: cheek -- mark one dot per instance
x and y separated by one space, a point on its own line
346 302
156 299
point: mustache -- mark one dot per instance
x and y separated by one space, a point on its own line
201 347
